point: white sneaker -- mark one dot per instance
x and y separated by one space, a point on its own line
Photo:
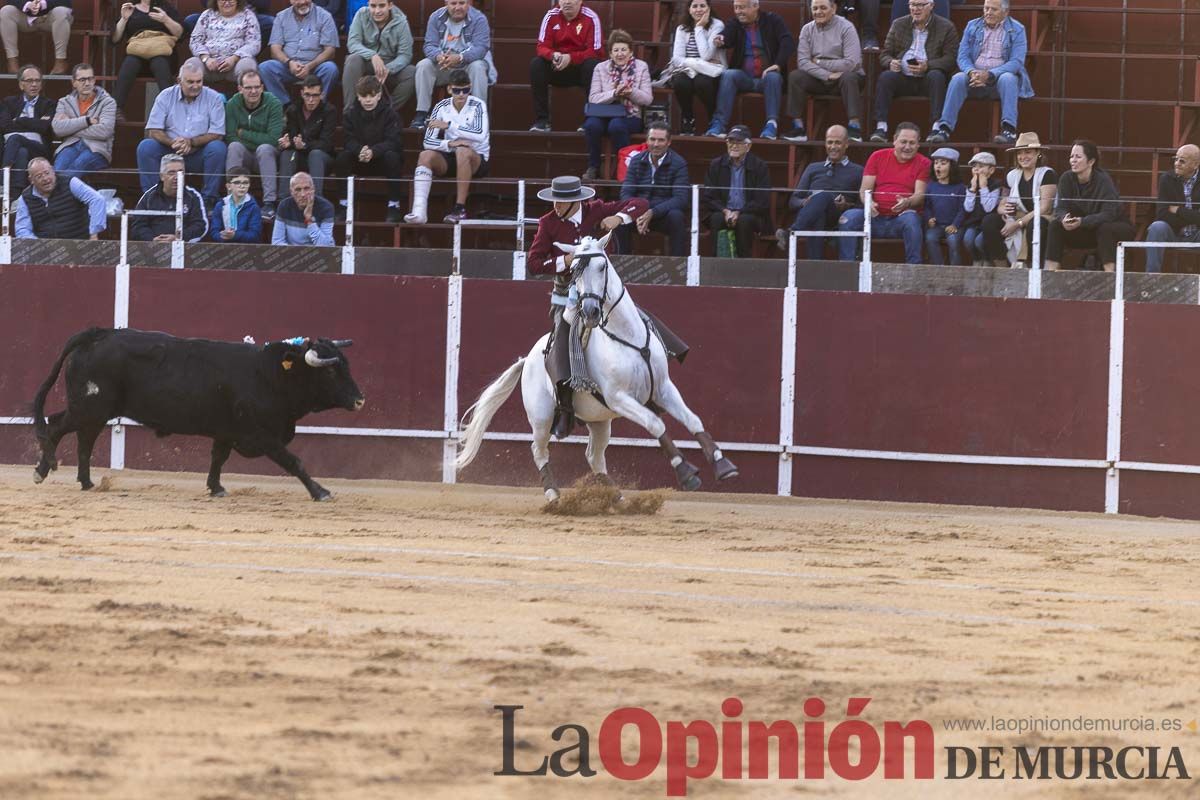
415 219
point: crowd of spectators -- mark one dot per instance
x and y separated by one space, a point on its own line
280 125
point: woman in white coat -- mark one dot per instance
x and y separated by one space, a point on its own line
696 64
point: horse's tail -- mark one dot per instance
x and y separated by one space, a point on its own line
88 336
482 412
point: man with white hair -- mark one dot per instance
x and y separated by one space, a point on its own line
1178 206
162 197
188 120
991 60
50 208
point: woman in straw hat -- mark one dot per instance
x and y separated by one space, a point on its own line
1008 236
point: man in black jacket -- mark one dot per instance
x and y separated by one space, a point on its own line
162 197
1178 206
760 46
307 141
736 193
373 142
915 65
25 121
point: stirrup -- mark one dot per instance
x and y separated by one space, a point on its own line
564 422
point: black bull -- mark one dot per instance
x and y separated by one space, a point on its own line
245 397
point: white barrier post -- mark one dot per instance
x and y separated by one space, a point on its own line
791 267
456 253
693 262
518 265
116 456
1035 252
1116 372
177 244
348 245
453 348
787 377
5 238
864 266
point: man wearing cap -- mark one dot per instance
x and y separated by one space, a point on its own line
825 190
897 179
1178 206
918 57
576 214
737 192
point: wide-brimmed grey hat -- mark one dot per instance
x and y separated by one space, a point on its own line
566 189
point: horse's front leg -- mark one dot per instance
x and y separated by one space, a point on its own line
672 402
685 473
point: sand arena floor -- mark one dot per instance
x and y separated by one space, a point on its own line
156 643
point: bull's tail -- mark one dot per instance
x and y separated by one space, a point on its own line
39 401
482 412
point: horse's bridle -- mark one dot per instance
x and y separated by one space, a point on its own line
577 268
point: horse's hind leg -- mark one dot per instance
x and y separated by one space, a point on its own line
672 403
685 473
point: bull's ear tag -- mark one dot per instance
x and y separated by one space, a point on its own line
286 363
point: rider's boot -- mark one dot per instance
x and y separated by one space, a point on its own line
560 366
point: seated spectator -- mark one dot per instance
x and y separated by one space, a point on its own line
944 214
760 46
150 29
304 218
162 197
940 7
373 143
1178 216
917 59
253 128
457 36
991 60
568 50
456 143
980 203
736 193
58 208
262 15
897 179
620 89
660 176
189 120
825 190
868 16
86 121
226 39
1087 213
1008 236
26 119
696 63
828 62
380 43
304 40
307 141
36 16
236 217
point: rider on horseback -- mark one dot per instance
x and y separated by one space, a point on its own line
576 214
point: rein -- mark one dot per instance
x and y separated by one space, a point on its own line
602 298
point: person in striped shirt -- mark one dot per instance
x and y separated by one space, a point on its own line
456 144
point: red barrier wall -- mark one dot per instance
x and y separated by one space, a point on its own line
885 372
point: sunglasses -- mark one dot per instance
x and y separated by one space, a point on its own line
460 90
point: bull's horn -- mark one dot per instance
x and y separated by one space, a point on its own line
313 360
342 342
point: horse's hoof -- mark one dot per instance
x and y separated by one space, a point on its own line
688 476
552 495
691 484
725 469
38 476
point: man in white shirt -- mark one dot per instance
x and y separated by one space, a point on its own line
456 143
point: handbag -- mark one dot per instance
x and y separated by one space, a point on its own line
604 110
151 44
726 243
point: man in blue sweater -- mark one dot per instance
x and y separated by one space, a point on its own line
303 218
825 190
660 175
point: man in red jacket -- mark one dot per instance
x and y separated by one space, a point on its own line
569 47
576 214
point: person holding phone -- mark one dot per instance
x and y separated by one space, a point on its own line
917 59
1088 212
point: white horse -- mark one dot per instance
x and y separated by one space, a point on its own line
627 361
